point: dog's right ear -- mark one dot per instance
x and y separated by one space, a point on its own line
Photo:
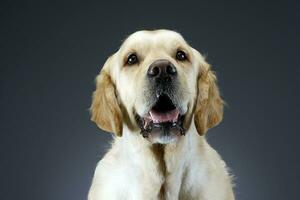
105 110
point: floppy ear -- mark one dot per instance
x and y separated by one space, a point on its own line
209 105
105 109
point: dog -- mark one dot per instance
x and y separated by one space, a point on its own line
158 96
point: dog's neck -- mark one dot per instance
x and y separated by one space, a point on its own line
162 163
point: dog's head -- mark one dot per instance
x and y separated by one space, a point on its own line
156 83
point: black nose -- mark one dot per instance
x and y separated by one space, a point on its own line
161 68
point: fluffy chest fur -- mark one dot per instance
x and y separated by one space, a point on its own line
134 169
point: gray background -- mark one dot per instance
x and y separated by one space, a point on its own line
51 53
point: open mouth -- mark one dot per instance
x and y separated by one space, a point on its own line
163 117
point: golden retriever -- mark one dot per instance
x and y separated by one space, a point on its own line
158 96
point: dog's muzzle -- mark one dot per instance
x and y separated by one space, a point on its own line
164 117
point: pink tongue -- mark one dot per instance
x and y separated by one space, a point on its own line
170 116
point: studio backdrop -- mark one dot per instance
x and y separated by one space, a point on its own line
51 53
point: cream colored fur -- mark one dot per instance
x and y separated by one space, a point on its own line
136 169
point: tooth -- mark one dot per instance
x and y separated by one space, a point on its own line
158 93
182 131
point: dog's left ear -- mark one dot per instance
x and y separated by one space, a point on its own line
105 110
209 104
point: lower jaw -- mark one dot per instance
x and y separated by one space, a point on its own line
163 133
163 139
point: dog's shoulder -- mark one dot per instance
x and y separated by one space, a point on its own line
110 178
124 175
208 175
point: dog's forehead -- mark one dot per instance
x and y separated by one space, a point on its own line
155 37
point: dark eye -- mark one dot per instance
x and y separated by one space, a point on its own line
132 59
180 55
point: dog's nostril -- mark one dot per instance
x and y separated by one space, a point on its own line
154 71
171 70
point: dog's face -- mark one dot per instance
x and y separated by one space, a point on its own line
156 83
